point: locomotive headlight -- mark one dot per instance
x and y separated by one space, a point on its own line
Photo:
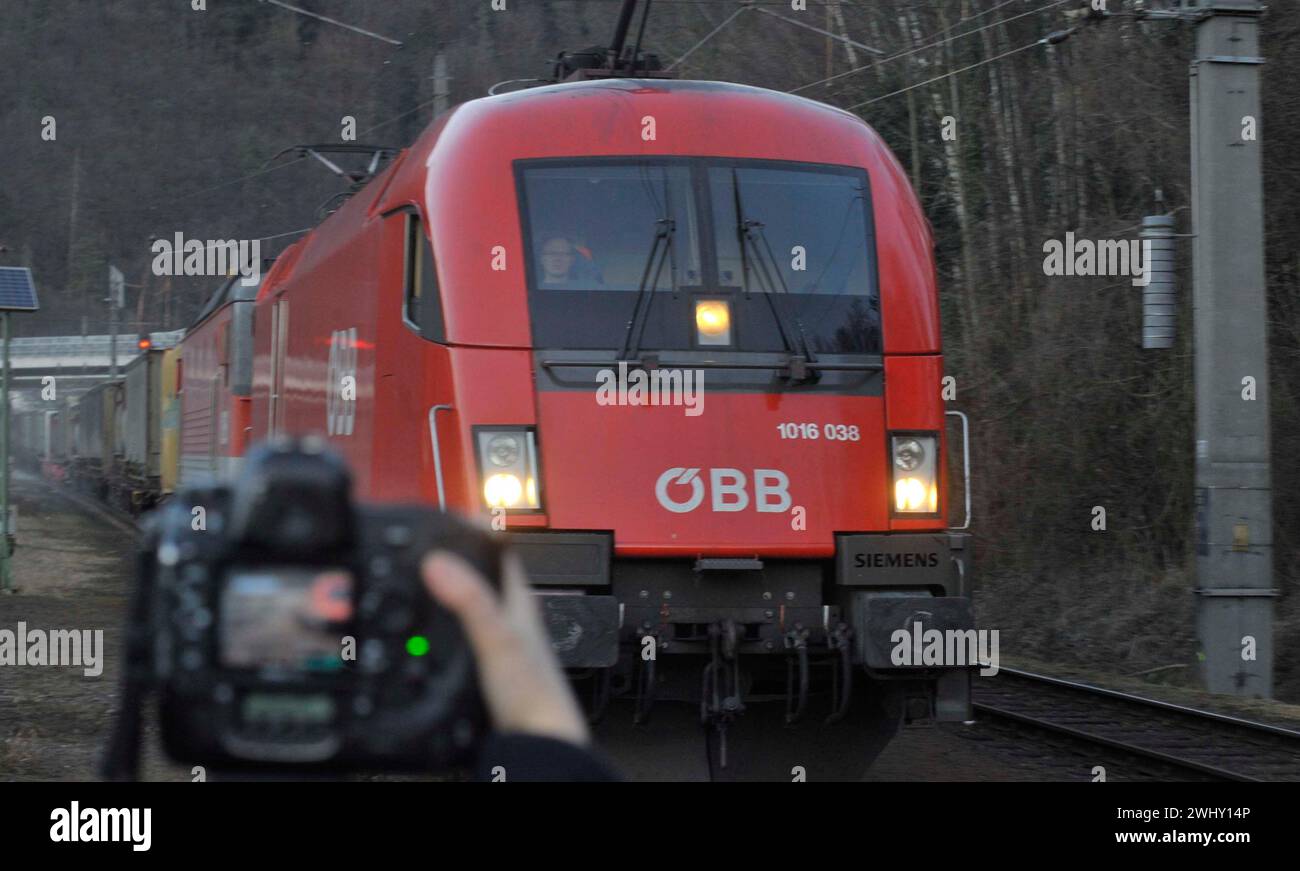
908 454
503 491
712 322
503 450
508 465
916 473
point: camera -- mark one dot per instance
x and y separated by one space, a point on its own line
282 626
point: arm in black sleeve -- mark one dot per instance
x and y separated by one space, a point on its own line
518 757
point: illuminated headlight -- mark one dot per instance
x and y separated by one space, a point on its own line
916 473
503 491
712 322
508 465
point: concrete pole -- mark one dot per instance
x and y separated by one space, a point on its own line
1234 518
112 341
116 296
441 85
6 576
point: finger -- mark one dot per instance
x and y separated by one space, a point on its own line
523 607
459 588
516 592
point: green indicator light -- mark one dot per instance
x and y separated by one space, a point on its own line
417 645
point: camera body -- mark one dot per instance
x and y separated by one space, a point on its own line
290 629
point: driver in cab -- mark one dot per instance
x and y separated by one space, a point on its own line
568 265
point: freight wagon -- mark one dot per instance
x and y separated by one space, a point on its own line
95 444
117 441
137 482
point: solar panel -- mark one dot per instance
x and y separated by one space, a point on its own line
17 292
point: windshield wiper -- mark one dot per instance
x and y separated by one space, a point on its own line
801 358
665 228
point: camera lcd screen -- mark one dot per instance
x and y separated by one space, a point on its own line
285 617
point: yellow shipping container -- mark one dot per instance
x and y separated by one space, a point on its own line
171 419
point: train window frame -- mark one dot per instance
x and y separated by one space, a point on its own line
430 322
700 167
697 203
863 176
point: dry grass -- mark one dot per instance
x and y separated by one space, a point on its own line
1107 625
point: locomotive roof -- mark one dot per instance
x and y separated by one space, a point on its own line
713 94
461 172
677 86
514 119
231 290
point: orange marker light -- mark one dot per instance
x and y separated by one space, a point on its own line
713 322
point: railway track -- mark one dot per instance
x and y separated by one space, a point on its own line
1210 744
120 520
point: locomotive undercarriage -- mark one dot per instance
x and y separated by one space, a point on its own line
808 638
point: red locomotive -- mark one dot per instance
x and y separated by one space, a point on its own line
215 382
680 341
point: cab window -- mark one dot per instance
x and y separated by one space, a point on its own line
422 305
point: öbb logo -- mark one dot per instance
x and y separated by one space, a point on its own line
341 382
728 488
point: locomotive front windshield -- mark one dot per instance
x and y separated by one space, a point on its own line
601 233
